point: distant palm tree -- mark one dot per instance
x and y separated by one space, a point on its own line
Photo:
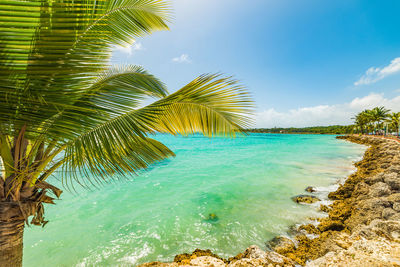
379 115
394 122
62 106
362 121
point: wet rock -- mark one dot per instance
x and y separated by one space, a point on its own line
343 192
379 189
305 199
281 245
324 208
329 225
309 228
310 189
340 211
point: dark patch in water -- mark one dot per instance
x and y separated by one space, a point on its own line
212 218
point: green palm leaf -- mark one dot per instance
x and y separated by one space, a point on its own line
210 104
47 46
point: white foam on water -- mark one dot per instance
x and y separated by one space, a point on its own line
137 255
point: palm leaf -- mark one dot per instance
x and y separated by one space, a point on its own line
114 92
210 104
46 47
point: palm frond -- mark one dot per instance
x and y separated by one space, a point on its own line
116 91
210 104
52 51
107 158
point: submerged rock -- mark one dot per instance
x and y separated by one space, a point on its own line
305 199
212 217
310 189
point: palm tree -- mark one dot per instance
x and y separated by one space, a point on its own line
394 120
62 106
378 115
362 120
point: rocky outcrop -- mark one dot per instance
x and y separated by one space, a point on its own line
309 199
252 256
362 227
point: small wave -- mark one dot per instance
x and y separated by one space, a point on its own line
135 257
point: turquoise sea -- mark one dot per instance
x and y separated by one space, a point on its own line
246 182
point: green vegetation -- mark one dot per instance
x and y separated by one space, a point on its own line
335 129
62 106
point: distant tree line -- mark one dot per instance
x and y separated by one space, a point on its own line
378 120
334 129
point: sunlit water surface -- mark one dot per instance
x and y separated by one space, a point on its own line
246 183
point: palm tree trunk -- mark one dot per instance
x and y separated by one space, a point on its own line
11 234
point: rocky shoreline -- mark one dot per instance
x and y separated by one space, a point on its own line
362 227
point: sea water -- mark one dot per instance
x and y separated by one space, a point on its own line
219 194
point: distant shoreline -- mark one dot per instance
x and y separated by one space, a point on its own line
333 129
297 133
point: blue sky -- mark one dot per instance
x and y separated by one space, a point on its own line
308 62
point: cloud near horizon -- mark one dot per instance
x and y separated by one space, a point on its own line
324 115
184 58
373 75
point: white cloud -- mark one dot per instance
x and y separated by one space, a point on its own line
324 115
130 49
373 75
184 58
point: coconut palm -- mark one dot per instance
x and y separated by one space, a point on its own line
378 115
394 122
62 106
362 121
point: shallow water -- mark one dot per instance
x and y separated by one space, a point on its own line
245 183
